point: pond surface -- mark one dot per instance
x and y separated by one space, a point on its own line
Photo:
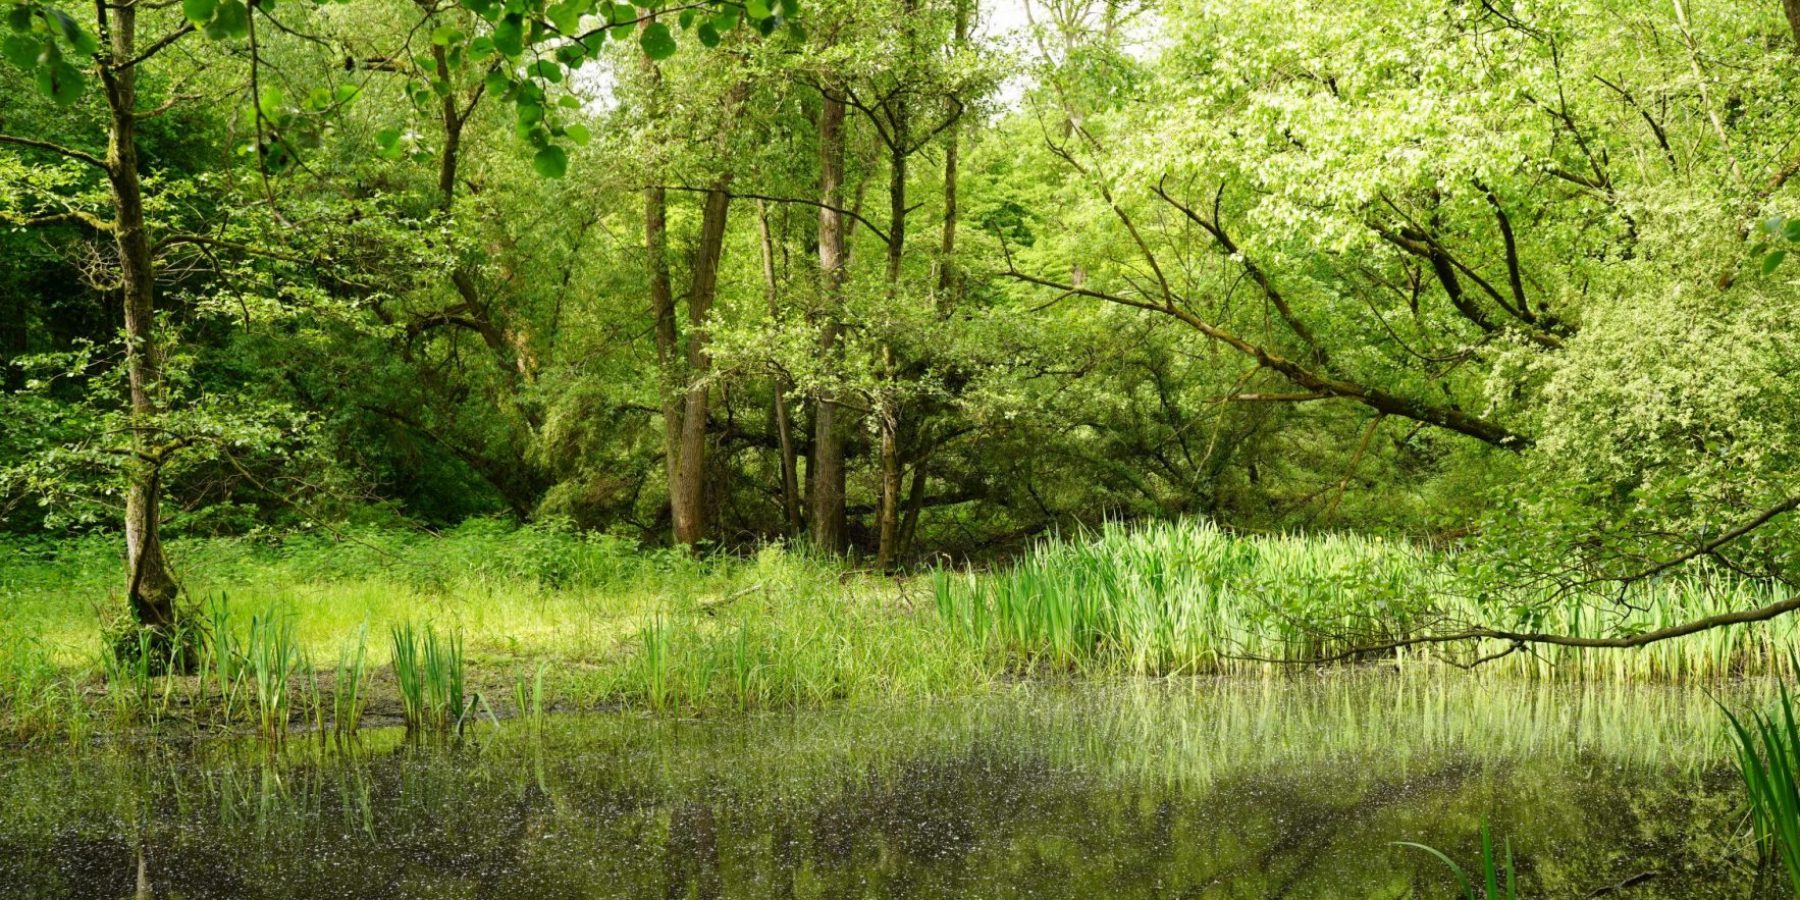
1295 787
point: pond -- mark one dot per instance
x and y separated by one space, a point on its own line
1290 787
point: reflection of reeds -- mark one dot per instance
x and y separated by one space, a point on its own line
1181 598
349 691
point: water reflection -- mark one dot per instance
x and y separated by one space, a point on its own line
1293 788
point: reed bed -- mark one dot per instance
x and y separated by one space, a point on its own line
1190 598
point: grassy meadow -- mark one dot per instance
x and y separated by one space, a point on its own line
331 631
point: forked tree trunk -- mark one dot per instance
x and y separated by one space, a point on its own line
150 588
827 461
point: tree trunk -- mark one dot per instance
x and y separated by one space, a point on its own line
662 303
827 461
687 495
1792 8
784 429
888 513
150 588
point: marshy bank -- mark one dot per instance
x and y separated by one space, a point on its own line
303 632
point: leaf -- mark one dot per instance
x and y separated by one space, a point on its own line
80 41
709 36
566 16
1791 230
790 8
757 9
199 11
59 81
346 93
1773 261
445 35
497 83
387 138
21 50
551 162
230 20
545 69
579 134
509 35
657 42
19 17
727 18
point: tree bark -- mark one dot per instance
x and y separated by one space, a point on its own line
784 428
687 495
151 588
1792 8
662 301
888 513
827 461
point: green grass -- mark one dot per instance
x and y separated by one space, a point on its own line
544 617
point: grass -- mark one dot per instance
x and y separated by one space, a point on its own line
546 617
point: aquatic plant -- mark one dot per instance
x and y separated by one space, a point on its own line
350 687
528 698
1498 878
1188 597
271 658
1768 754
428 669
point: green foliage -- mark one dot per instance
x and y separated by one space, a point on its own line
428 670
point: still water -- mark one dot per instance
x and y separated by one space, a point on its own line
1295 787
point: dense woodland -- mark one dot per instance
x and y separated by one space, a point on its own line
906 278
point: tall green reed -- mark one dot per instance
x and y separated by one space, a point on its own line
272 657
1768 755
428 669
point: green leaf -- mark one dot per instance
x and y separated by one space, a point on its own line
566 16
727 18
79 40
59 81
568 101
21 50
790 8
199 12
1773 261
497 83
757 9
545 69
509 35
19 17
230 20
445 35
387 138
346 93
686 19
578 133
1792 230
551 162
709 36
657 42
530 113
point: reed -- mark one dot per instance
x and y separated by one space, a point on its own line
528 697
1182 598
1768 756
1498 877
271 658
350 687
428 669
